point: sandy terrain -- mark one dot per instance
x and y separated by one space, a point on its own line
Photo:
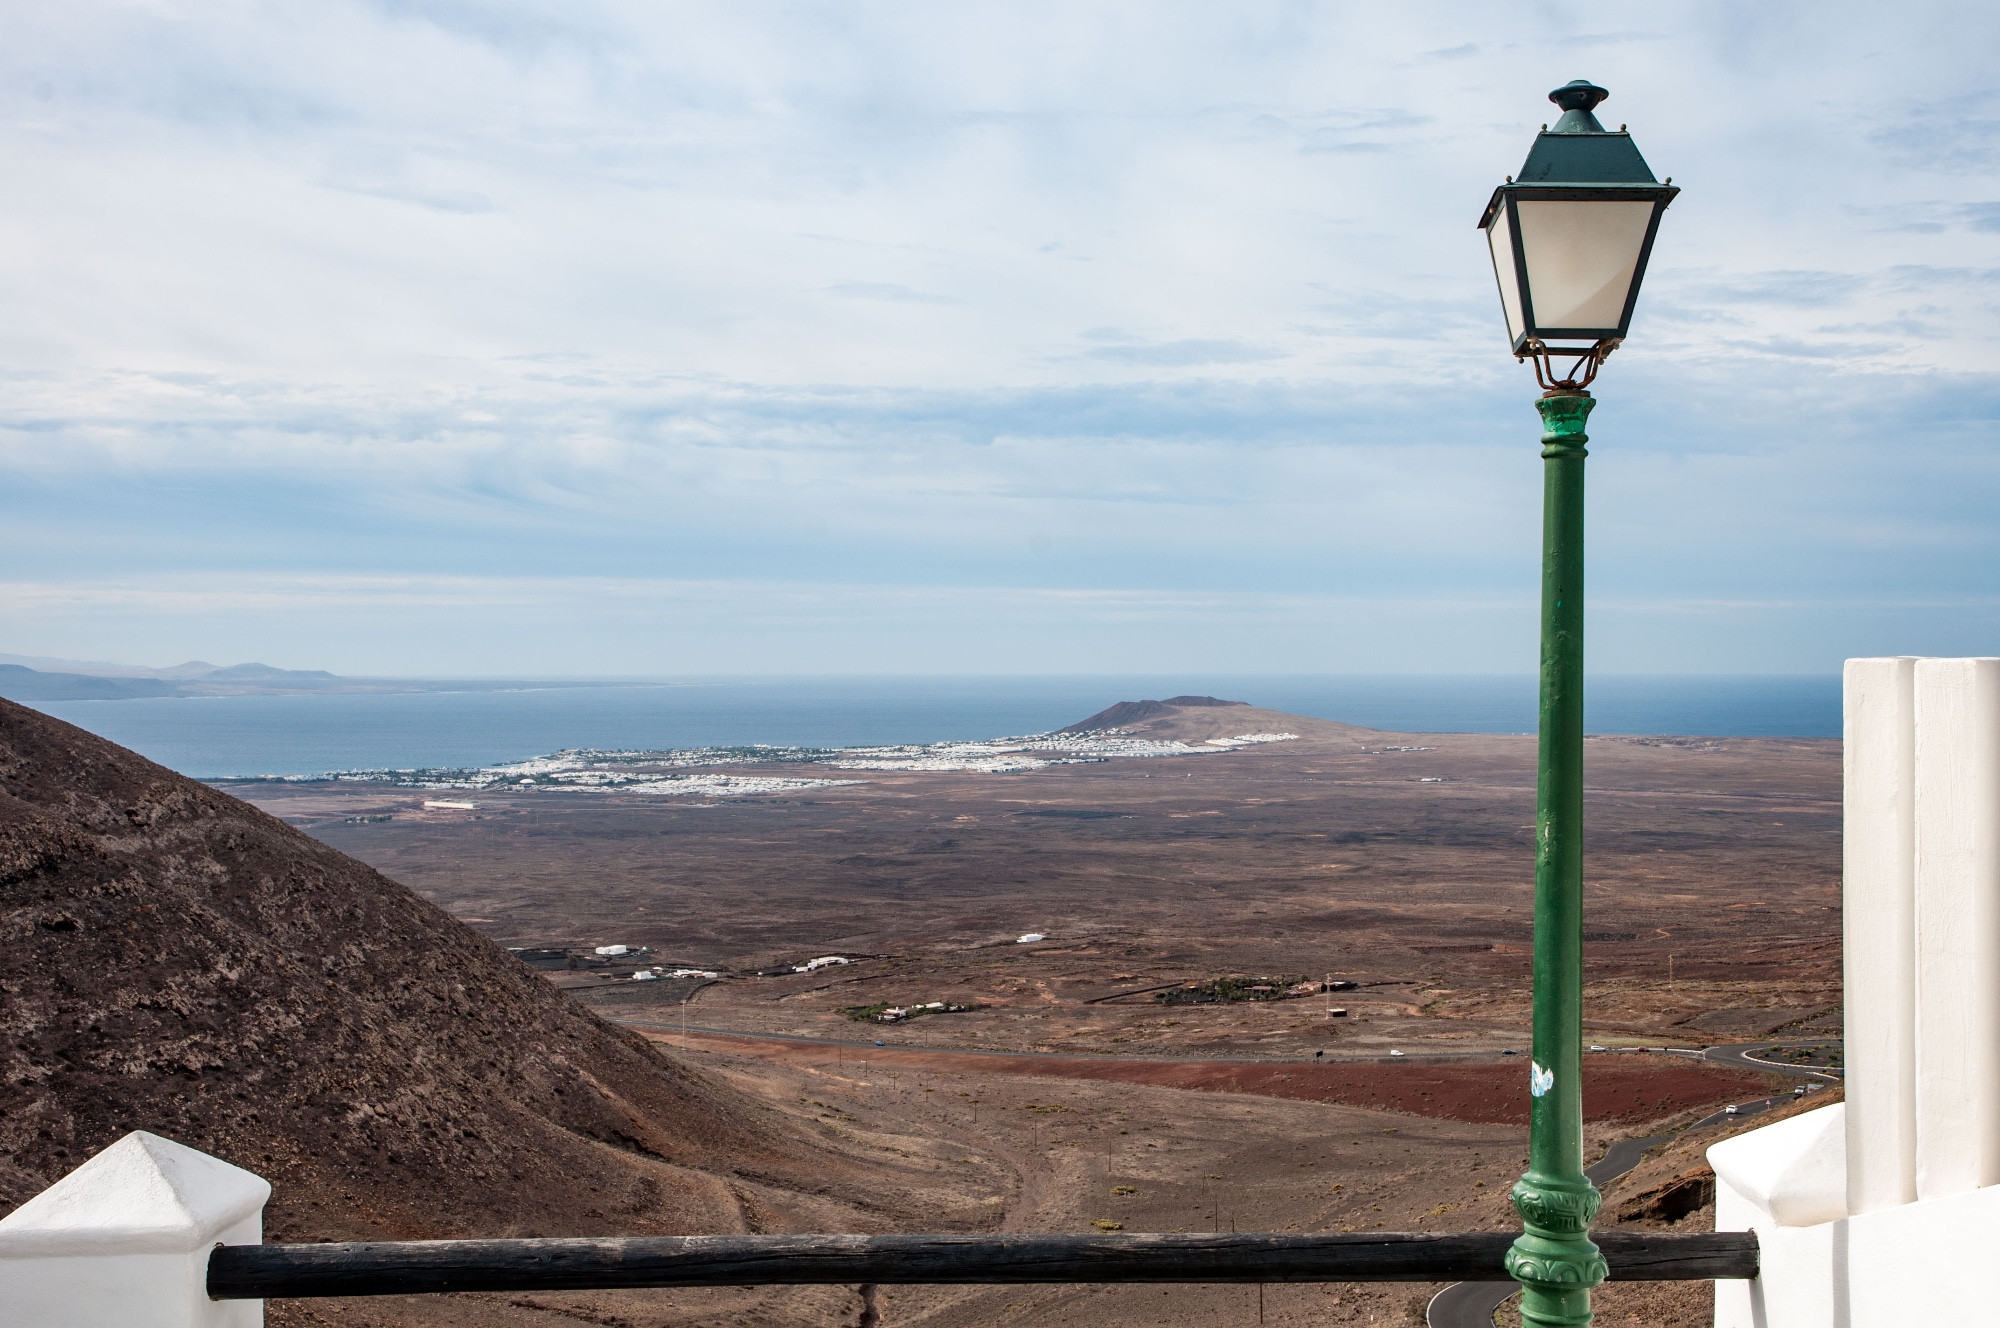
1399 863
1622 1089
1712 898
1032 1153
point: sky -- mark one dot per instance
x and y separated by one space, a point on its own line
592 338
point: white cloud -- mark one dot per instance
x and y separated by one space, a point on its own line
1162 299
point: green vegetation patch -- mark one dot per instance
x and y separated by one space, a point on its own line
1221 991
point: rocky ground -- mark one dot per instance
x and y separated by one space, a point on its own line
1041 1153
182 963
1400 862
177 961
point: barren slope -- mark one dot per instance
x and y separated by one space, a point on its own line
175 960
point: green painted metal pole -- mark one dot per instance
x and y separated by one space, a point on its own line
1554 1259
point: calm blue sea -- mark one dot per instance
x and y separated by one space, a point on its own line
215 737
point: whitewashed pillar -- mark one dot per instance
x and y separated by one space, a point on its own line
1890 1216
1957 889
1788 1183
123 1241
1879 922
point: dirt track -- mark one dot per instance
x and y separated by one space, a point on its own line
1621 1089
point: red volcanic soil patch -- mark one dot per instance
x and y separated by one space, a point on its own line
1628 1089
1615 1089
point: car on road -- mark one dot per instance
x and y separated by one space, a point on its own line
1729 1110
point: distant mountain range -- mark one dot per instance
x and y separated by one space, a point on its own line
194 668
19 682
35 680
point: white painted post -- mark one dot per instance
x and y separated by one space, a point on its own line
123 1241
1788 1183
1879 917
1889 1216
1957 832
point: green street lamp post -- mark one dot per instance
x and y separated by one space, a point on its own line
1570 237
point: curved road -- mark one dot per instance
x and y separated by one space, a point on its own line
1738 1056
1473 1304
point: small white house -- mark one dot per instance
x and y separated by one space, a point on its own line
1030 938
612 951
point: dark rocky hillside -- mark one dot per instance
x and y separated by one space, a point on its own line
172 959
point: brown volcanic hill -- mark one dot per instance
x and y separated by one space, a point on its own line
1196 719
172 959
1123 713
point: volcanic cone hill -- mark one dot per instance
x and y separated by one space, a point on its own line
1123 714
1197 719
172 959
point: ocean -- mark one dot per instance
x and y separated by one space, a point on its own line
221 737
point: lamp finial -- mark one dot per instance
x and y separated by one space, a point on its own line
1578 98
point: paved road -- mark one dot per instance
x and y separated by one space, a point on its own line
865 1045
1743 1056
1472 1304
1740 1056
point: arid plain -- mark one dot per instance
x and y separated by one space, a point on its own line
1400 863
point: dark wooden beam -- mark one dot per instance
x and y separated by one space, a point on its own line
395 1268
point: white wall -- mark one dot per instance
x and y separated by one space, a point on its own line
123 1241
1884 1211
1879 916
1957 882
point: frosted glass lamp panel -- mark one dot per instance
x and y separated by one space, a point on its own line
1500 238
1581 257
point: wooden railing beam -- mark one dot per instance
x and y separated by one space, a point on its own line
387 1268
